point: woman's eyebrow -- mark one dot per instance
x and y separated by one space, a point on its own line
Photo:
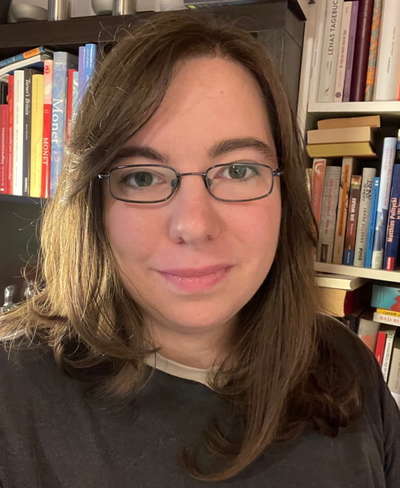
229 145
141 151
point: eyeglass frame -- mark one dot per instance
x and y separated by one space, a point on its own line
274 172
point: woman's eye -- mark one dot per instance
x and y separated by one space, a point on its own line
140 179
239 171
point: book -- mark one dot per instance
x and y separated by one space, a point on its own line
4 183
352 218
386 318
342 209
387 354
317 35
75 96
341 303
343 47
380 346
18 133
386 297
388 157
369 244
330 50
28 73
317 187
35 62
330 197
335 150
394 313
10 98
368 332
373 50
368 176
342 134
360 62
36 136
89 62
62 61
69 105
394 373
25 55
393 222
362 121
81 72
388 61
47 120
343 282
350 52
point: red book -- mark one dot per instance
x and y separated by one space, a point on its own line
47 116
4 173
10 100
380 346
360 61
70 89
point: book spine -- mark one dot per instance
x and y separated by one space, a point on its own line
75 96
387 354
317 187
62 62
18 136
10 98
394 373
368 176
386 319
90 62
47 117
328 214
393 222
373 50
3 149
340 230
360 62
343 47
36 136
81 71
388 156
388 61
368 332
70 88
385 311
351 226
371 223
27 54
320 18
330 51
27 130
350 52
380 347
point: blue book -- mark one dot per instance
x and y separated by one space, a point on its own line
75 95
90 62
61 63
81 71
393 225
388 157
25 55
371 223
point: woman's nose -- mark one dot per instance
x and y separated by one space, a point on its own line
194 213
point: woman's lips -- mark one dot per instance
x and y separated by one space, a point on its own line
195 280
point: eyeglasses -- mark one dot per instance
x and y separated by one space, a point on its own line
239 181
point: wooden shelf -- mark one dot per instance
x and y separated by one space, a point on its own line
21 200
373 274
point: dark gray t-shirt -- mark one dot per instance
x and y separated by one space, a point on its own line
53 435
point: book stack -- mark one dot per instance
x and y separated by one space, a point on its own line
39 95
355 201
358 50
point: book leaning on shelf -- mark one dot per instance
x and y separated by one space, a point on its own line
38 104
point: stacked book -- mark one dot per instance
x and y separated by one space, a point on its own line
355 195
39 95
350 299
358 50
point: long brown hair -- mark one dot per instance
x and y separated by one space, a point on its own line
284 372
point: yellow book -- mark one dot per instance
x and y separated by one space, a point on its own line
394 313
360 149
36 136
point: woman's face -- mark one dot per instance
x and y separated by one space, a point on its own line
161 249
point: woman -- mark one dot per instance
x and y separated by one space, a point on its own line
174 339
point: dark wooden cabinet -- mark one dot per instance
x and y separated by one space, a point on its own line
278 24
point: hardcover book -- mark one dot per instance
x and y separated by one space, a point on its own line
362 121
393 223
352 218
336 150
386 296
373 50
369 245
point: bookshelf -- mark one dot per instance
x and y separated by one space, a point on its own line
277 23
372 274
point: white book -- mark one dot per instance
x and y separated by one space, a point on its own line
341 282
388 157
388 60
18 132
368 176
330 50
368 332
319 30
387 354
342 56
394 373
328 214
385 318
343 201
